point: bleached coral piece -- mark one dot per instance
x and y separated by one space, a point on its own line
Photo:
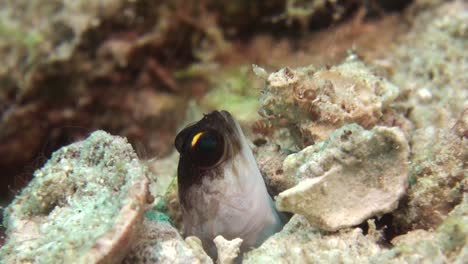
320 101
228 250
159 242
83 206
354 175
299 242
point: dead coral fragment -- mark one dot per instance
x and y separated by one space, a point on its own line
299 242
83 206
448 244
435 79
228 250
270 163
324 100
438 170
354 175
159 242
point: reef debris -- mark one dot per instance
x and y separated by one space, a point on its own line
160 242
270 159
447 244
83 206
354 175
300 242
438 177
84 65
228 250
433 82
318 102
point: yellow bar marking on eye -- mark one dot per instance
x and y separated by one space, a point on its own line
196 138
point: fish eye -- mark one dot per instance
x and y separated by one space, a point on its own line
206 148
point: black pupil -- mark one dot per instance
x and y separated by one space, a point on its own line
208 149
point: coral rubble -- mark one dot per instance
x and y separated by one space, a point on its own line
83 206
228 250
352 176
320 101
438 177
300 242
72 67
159 242
368 154
270 159
448 244
429 64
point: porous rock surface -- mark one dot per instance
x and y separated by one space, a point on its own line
300 242
430 64
83 206
438 177
68 68
228 250
160 242
352 176
447 244
270 159
320 101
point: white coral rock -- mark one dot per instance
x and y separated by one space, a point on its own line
228 250
352 176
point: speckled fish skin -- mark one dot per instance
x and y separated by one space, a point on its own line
229 199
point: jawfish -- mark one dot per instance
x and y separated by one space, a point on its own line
221 190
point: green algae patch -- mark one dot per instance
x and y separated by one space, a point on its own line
158 217
236 91
169 205
82 206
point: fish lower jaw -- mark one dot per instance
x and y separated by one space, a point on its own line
231 215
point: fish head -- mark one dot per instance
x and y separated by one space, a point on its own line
205 147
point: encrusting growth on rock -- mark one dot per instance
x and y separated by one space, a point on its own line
320 101
352 176
159 242
83 206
